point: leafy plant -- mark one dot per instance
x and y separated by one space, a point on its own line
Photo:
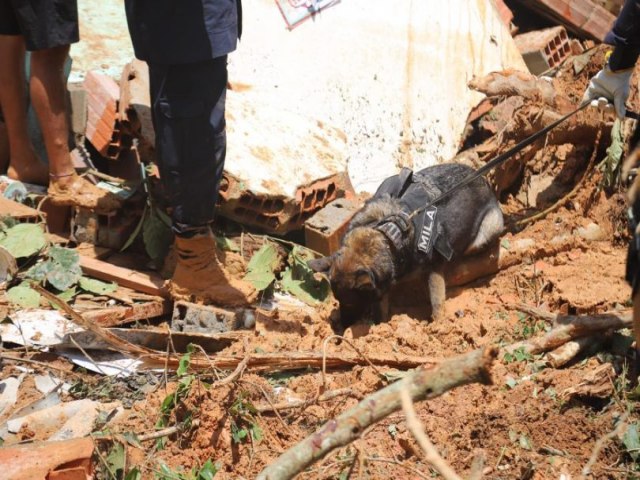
24 296
243 421
518 355
528 327
23 240
206 472
172 400
261 271
610 166
299 280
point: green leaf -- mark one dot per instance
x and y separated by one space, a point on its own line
631 441
62 278
66 296
299 279
226 244
134 474
96 286
132 439
24 296
207 471
525 442
116 458
157 236
24 240
64 269
511 382
183 364
137 230
65 257
261 268
39 271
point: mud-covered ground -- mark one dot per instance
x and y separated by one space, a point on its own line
533 422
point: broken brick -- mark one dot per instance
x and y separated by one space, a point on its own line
543 49
325 229
582 17
103 129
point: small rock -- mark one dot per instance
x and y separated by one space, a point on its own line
592 232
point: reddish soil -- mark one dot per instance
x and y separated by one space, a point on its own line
533 422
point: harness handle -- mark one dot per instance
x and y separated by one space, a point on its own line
490 165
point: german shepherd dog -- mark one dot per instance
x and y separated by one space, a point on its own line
391 237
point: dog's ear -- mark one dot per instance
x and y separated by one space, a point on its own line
320 265
364 279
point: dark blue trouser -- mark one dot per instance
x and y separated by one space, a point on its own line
188 104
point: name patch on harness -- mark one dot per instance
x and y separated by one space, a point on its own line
427 232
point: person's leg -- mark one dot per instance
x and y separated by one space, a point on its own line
188 104
48 96
24 164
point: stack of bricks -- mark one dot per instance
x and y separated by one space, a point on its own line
584 18
544 49
103 126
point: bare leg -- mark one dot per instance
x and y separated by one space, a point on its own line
437 293
24 164
48 95
4 147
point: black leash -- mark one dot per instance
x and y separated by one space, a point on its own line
490 165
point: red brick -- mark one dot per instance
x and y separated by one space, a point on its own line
543 49
582 17
102 114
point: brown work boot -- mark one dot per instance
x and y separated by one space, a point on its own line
75 191
200 276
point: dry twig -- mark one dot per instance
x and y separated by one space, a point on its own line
600 443
416 428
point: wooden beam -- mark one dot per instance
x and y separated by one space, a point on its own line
115 316
140 281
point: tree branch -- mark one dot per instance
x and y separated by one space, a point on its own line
420 384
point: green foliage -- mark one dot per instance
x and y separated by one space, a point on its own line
528 327
299 280
631 441
23 240
116 459
172 400
262 267
96 286
243 421
610 166
157 234
518 355
226 244
24 296
206 472
61 268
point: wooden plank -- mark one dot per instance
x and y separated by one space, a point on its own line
9 208
142 282
115 316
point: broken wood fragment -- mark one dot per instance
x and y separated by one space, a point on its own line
421 384
142 282
116 316
568 328
331 394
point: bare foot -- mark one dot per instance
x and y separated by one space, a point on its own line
28 168
79 192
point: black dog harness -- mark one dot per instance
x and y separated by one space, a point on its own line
429 233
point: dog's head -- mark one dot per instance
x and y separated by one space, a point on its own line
361 270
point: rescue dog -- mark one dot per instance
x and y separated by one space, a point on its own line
385 242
